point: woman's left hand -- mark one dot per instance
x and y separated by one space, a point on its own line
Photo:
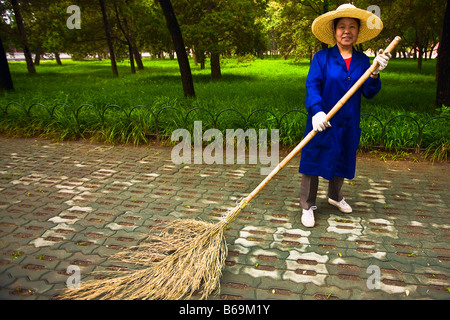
382 59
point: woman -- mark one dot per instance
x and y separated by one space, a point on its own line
331 154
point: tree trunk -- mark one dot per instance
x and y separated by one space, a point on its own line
430 54
180 49
201 58
58 59
23 36
215 66
194 56
130 52
6 82
109 39
420 58
137 56
443 63
37 57
425 49
129 38
261 54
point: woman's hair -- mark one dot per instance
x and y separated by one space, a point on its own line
336 21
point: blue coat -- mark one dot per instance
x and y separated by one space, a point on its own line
332 152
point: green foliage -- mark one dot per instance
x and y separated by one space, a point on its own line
246 58
274 87
238 26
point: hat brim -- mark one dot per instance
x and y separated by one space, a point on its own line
371 25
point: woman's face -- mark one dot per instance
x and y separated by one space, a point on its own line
346 32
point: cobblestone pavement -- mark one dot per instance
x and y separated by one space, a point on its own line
75 204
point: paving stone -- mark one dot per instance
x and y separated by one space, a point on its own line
78 203
283 288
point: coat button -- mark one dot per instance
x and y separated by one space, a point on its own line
348 78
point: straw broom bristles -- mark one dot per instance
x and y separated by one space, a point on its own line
186 258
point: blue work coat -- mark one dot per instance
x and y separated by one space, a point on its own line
332 152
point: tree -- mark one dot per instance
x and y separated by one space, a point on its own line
23 35
214 28
292 24
6 82
132 18
123 26
109 38
178 42
419 23
46 23
318 8
421 19
443 63
89 41
150 27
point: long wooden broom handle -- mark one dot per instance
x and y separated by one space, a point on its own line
310 135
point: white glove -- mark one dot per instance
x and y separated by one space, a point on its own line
319 121
382 59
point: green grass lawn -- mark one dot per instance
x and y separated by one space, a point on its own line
272 84
275 84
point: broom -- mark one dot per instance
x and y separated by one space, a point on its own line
187 256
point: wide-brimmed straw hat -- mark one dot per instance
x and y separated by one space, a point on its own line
323 28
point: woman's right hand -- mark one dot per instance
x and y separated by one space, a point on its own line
320 122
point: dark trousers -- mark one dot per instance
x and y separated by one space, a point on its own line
309 186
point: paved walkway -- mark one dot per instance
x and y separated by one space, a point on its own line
75 204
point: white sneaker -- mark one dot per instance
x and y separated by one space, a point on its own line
308 217
341 205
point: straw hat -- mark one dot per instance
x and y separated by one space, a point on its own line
370 27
